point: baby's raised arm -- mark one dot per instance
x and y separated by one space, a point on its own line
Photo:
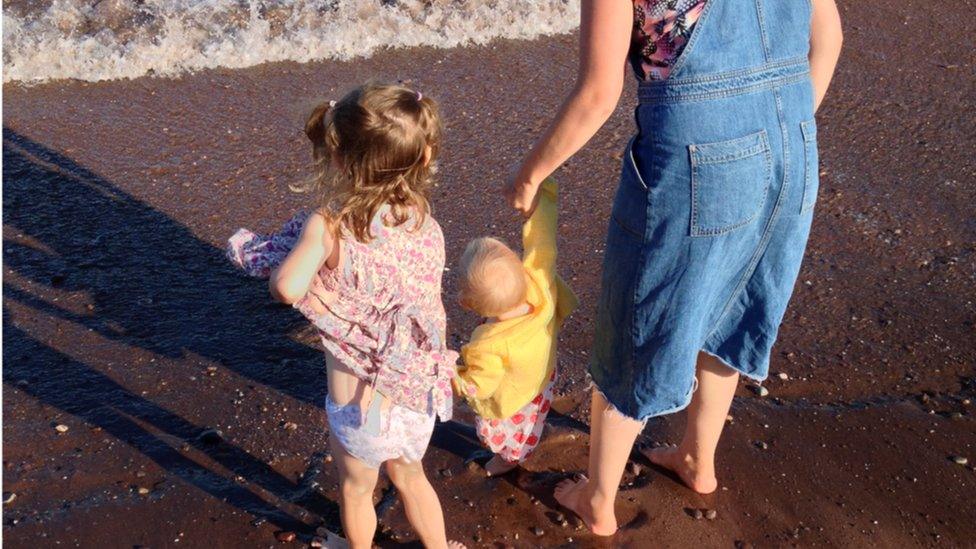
539 232
291 281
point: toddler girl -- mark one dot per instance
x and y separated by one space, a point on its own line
510 363
365 268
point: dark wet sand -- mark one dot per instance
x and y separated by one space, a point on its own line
118 198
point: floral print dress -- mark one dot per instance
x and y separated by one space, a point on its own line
386 322
661 30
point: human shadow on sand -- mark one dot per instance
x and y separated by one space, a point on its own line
153 286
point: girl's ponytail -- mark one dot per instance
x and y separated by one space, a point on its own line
315 128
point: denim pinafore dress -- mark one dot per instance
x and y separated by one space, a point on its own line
713 209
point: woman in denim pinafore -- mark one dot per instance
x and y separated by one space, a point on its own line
710 219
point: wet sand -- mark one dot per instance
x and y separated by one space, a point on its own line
124 323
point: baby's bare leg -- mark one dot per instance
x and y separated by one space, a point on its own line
356 484
420 502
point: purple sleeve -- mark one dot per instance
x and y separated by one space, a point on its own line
257 254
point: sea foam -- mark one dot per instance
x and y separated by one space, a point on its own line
110 39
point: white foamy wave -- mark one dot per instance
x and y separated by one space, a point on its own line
109 39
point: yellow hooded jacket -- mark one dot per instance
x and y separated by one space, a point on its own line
507 363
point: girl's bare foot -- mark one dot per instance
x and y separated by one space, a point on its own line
498 466
683 465
571 494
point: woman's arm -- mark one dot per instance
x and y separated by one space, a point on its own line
605 29
291 281
826 38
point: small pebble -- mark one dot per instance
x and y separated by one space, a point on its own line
762 445
782 376
143 490
285 536
538 531
258 521
8 497
697 514
211 436
760 390
635 468
960 460
711 514
290 426
447 473
61 428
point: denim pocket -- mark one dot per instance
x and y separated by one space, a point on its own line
630 202
729 182
811 162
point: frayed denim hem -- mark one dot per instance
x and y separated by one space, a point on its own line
684 404
728 364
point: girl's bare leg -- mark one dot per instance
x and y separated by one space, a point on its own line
422 506
612 436
356 484
694 459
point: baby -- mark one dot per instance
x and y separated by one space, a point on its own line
509 366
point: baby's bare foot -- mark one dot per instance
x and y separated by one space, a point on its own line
498 466
682 464
571 494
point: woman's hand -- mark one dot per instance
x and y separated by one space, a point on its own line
521 195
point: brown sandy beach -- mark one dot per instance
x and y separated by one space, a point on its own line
193 404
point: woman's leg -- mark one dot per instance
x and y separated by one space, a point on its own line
356 484
694 459
612 436
420 501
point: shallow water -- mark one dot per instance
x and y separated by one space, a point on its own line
108 39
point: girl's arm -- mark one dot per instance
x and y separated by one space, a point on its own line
291 281
605 29
826 38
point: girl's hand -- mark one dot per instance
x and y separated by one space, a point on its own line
319 297
521 195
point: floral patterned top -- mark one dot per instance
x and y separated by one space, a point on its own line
661 30
386 321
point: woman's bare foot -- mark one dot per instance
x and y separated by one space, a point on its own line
456 545
571 494
498 466
682 464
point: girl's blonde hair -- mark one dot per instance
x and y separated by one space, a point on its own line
375 146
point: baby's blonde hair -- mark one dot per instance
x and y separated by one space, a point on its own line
492 277
375 146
